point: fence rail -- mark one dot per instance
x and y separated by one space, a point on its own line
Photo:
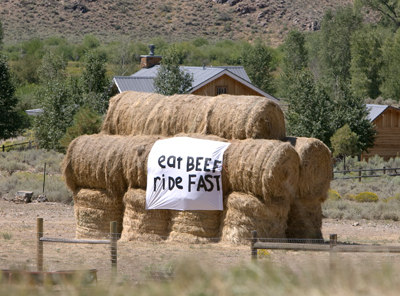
385 172
333 248
29 144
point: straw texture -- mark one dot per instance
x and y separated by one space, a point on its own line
226 116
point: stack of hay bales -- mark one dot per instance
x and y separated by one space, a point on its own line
305 217
226 116
261 172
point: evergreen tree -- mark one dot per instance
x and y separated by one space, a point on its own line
351 109
310 108
171 79
10 119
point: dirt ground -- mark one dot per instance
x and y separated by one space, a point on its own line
139 260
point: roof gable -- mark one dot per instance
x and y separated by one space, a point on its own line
142 81
375 111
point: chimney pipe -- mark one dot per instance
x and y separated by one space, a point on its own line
150 60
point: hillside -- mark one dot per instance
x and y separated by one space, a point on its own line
174 20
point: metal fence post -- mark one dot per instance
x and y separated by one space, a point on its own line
253 241
39 259
113 248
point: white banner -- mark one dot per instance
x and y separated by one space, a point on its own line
185 174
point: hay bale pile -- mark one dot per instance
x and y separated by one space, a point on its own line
263 176
226 116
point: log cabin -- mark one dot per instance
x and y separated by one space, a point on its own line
208 81
387 122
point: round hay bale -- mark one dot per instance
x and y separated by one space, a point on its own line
230 117
94 210
195 226
305 216
139 223
246 212
245 117
315 168
95 161
264 168
134 159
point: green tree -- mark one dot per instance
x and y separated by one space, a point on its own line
310 108
171 79
294 60
10 119
334 56
391 68
351 109
95 83
344 142
367 61
56 99
86 122
1 34
295 53
257 61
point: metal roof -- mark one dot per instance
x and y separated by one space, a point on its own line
140 84
142 81
375 111
34 112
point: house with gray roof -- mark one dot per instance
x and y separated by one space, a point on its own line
387 123
208 81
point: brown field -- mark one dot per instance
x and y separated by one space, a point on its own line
137 260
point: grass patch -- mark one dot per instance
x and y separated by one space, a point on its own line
7 235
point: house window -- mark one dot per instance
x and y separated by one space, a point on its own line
221 90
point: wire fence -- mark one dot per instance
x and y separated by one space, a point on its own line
19 146
141 260
366 173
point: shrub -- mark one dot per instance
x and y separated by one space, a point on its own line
395 198
366 197
333 195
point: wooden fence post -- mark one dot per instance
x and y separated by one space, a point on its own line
384 170
39 259
4 148
253 241
332 252
359 174
113 247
